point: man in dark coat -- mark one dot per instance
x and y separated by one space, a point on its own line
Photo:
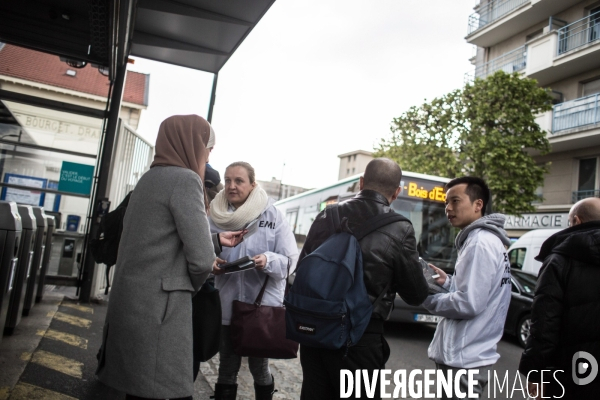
565 320
390 261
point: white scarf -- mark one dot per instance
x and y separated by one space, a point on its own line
233 221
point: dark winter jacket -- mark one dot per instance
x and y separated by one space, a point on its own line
566 308
389 253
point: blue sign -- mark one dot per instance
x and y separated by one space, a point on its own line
76 178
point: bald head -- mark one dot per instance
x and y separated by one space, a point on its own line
585 210
383 176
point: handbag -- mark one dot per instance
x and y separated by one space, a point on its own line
206 323
259 331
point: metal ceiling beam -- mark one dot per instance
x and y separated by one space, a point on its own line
51 104
148 39
172 7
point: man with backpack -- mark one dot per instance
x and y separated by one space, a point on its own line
390 265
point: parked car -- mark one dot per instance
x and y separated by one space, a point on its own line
518 319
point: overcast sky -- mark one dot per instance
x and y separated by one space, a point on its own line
318 78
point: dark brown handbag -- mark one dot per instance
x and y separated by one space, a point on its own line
259 331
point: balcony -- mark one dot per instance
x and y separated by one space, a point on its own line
578 113
510 62
497 20
568 51
579 33
572 125
492 11
584 194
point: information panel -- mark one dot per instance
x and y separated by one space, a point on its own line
76 178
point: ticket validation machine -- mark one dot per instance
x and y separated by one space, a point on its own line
38 256
46 258
10 236
17 298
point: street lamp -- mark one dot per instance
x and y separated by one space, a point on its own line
281 182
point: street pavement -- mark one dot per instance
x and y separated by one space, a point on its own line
52 355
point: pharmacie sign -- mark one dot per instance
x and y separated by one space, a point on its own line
537 221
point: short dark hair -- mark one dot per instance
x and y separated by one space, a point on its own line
383 176
476 189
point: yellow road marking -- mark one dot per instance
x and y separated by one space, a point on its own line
4 392
77 307
51 313
26 356
25 391
58 363
67 338
70 319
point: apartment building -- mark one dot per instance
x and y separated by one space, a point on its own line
556 42
353 163
277 190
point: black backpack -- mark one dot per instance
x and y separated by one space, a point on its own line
105 247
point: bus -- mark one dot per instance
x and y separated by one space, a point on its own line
422 200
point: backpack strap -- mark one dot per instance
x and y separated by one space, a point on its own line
334 214
378 221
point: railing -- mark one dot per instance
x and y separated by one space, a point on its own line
579 33
576 113
510 62
469 77
584 194
133 157
491 11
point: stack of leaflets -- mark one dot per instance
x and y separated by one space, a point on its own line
239 265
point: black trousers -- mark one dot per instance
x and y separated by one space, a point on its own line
321 367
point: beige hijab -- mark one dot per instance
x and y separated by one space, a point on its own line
181 142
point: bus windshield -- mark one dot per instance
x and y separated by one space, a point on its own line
434 234
421 200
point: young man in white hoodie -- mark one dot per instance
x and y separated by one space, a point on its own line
475 307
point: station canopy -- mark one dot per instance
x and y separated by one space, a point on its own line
198 34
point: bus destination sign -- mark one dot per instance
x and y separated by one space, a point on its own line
422 190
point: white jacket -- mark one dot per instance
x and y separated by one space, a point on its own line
477 302
273 238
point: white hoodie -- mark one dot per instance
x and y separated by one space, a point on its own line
475 307
272 237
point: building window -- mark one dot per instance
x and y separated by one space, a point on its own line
348 172
591 87
533 35
355 157
587 174
594 23
539 194
353 169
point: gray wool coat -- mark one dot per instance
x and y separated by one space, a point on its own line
165 255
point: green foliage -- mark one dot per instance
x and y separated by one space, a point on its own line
483 130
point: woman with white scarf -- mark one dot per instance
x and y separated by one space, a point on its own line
271 244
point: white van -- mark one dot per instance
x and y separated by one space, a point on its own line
522 253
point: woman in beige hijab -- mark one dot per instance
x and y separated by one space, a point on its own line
165 255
